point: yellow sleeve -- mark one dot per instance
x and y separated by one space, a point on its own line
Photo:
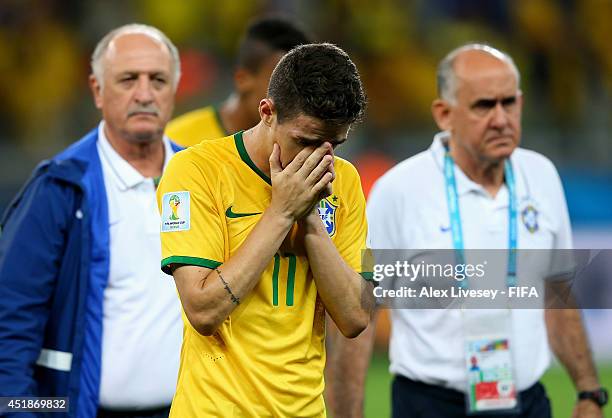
351 231
191 224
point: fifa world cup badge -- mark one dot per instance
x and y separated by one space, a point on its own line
175 212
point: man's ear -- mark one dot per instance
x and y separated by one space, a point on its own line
96 90
267 111
441 111
243 81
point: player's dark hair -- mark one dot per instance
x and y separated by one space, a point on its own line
318 80
266 36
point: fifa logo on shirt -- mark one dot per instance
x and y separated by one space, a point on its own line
174 203
327 213
175 212
529 215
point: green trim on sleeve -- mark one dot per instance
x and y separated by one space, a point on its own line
368 276
245 157
191 261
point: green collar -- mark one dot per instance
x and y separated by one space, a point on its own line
245 157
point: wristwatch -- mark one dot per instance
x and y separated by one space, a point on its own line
599 396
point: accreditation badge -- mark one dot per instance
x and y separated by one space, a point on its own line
491 383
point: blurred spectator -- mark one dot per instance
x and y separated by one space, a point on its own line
39 69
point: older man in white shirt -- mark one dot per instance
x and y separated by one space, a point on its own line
86 313
473 188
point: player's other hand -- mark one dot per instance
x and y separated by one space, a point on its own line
303 182
328 190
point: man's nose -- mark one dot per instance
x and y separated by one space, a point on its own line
499 118
144 90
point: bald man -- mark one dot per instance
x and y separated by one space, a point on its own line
85 311
480 191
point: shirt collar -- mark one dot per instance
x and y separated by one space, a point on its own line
464 183
127 176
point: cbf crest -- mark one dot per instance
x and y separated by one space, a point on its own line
327 212
529 216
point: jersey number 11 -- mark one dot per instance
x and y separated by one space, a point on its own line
290 278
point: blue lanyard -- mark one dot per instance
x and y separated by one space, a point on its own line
455 218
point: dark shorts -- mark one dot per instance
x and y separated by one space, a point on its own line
148 413
412 399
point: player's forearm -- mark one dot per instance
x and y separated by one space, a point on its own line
211 298
345 294
351 358
569 342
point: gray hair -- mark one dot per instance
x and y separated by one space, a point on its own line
97 66
447 79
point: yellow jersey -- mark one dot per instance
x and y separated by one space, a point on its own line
267 358
196 126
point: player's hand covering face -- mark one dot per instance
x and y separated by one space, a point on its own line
298 186
301 132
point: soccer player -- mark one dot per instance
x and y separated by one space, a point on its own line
268 236
265 41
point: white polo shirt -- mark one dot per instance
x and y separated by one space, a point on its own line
142 326
407 209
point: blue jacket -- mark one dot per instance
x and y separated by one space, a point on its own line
54 263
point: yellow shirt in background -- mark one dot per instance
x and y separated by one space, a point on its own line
195 126
267 358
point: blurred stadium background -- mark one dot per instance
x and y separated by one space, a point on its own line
561 46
